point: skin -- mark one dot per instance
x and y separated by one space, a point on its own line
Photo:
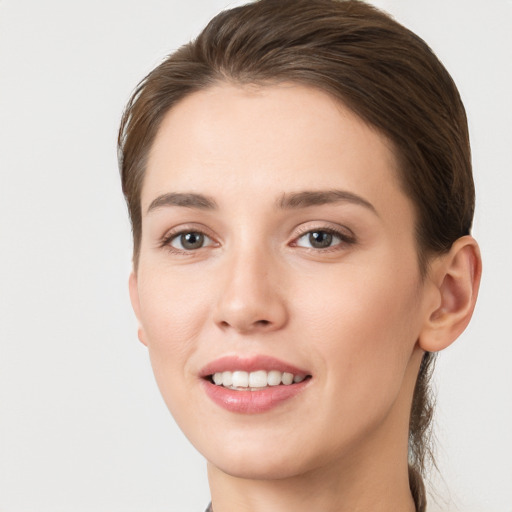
356 315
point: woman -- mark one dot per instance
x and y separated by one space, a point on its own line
300 190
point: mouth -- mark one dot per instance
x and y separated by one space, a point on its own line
240 380
254 384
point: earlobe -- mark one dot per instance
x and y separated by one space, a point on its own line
134 298
457 278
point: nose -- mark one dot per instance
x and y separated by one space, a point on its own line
251 298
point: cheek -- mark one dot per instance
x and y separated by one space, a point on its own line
363 333
173 311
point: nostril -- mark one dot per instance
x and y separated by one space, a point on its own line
262 324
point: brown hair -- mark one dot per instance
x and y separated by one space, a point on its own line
383 72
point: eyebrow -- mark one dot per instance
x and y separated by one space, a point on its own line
288 201
309 198
187 200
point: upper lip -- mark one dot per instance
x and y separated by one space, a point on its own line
249 364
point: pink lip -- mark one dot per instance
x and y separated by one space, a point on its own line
249 364
251 402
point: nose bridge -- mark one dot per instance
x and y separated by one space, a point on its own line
251 298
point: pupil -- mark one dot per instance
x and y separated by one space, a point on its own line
320 239
192 240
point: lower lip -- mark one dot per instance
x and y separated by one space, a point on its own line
252 402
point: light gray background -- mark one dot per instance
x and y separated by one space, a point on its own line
82 426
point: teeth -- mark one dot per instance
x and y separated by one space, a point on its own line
240 380
274 378
227 379
258 379
255 380
287 378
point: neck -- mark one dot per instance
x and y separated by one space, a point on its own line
371 478
307 493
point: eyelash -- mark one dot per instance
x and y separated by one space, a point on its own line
167 240
345 239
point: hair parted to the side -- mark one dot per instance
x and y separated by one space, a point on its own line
380 70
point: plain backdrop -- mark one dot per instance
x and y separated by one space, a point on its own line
82 425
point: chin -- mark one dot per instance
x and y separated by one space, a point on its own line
266 457
261 467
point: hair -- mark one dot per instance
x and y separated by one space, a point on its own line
383 72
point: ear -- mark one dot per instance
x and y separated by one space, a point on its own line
134 298
456 278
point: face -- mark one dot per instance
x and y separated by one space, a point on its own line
278 288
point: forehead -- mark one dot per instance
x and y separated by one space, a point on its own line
269 139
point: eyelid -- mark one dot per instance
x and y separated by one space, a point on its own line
345 234
173 233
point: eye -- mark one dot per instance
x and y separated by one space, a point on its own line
322 239
188 241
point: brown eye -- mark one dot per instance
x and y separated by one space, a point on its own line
190 241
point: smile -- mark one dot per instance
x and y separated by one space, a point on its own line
252 384
240 380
